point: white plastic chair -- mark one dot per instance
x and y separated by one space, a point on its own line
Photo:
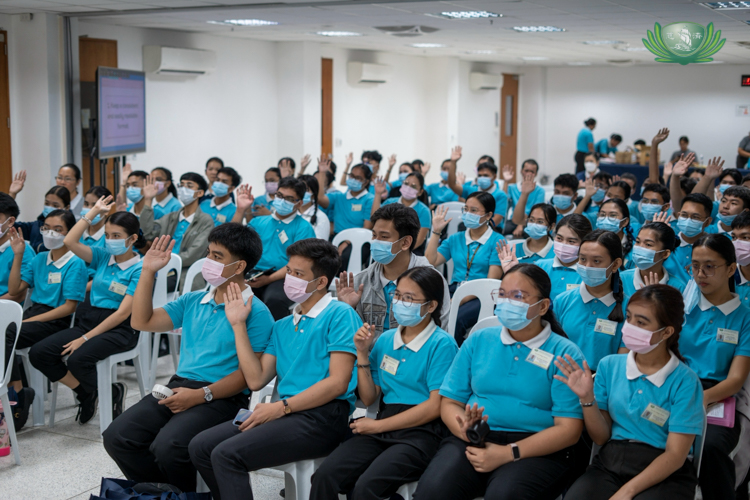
160 299
10 312
454 214
480 289
485 323
193 271
357 236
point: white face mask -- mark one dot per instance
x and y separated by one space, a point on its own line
52 239
185 195
590 166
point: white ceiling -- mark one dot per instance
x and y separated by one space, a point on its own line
623 20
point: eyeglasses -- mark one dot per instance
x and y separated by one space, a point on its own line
65 179
511 294
290 199
47 228
474 211
408 299
708 269
693 217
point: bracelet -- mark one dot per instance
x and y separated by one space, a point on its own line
586 405
437 233
363 366
87 220
85 338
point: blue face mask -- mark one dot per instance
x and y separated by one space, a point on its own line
593 276
308 198
562 201
407 315
116 247
648 210
96 220
690 227
536 231
512 313
727 219
645 258
598 196
47 210
219 188
724 187
471 221
402 176
134 194
381 251
484 183
282 206
444 175
691 296
608 224
354 185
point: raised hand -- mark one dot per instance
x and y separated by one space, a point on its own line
345 289
668 167
16 240
507 255
349 160
590 188
244 197
18 182
304 162
324 164
714 167
508 172
660 136
661 217
235 308
438 219
286 168
681 167
149 188
126 171
528 185
616 178
121 204
471 416
651 279
103 206
159 254
456 153
579 380
460 178
380 186
391 160
364 337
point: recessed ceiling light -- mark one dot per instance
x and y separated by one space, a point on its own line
602 42
726 5
469 14
535 58
245 22
479 52
427 45
537 29
579 63
338 33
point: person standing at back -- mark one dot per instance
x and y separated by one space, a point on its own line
584 143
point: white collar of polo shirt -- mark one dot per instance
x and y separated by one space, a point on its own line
288 220
535 343
482 239
247 294
417 342
124 265
541 253
658 378
727 307
163 203
213 204
607 300
60 263
362 193
314 311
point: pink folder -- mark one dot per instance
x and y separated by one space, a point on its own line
723 413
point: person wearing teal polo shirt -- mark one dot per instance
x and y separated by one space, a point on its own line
741 241
540 224
220 207
584 144
562 267
504 376
406 365
608 147
653 247
715 342
137 190
149 442
734 201
8 214
564 196
592 314
403 171
518 199
411 189
312 355
655 199
102 325
596 191
692 221
440 192
614 216
487 183
262 204
645 408
93 236
165 200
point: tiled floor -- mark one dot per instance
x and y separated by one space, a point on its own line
68 461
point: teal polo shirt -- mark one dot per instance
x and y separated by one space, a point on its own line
526 256
603 148
97 240
681 257
632 282
743 290
471 258
55 282
179 231
583 318
713 335
629 396
407 373
424 214
562 278
501 199
165 206
277 235
302 345
6 262
219 213
347 211
440 193
112 281
536 196
585 137
265 200
517 392
208 352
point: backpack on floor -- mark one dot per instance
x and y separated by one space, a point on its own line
122 489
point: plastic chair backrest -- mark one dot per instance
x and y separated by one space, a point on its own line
485 323
513 243
192 272
698 444
480 289
27 302
454 206
10 312
358 237
161 296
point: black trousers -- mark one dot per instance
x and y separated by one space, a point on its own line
717 477
46 355
580 157
224 455
31 333
620 461
275 299
450 475
149 443
373 467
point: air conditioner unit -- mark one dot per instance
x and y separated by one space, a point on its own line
175 61
358 72
484 81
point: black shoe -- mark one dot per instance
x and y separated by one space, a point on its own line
282 493
21 411
87 408
119 393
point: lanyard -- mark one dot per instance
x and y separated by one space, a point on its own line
469 262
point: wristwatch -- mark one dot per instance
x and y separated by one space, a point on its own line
516 452
208 396
287 408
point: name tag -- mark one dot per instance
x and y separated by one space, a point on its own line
55 278
118 288
605 326
283 237
570 286
221 218
655 415
356 208
540 358
727 336
389 364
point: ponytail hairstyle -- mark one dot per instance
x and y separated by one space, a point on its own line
168 174
724 247
541 281
667 304
487 201
578 223
627 230
431 283
62 193
130 224
312 184
549 212
65 215
612 243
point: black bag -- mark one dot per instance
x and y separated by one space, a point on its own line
122 489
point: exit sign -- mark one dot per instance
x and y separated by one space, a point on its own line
746 80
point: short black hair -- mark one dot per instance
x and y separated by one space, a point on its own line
659 189
373 155
324 256
604 176
74 168
746 179
197 178
216 159
685 139
299 187
242 241
486 158
8 206
66 215
487 166
273 170
236 178
141 174
733 173
687 184
531 161
742 220
700 199
639 142
366 171
590 121
616 137
567 180
631 176
740 192
99 191
61 192
404 219
624 186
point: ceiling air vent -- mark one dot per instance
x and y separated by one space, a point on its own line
406 31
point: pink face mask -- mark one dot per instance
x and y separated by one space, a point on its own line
159 186
742 251
408 192
212 272
566 253
296 289
272 187
637 339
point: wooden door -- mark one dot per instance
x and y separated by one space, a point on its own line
509 122
6 169
326 103
92 53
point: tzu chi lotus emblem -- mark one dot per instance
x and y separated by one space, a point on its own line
684 43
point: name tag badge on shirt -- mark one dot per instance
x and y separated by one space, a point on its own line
389 364
55 278
540 358
727 336
118 288
656 415
283 237
356 208
221 218
605 326
571 286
